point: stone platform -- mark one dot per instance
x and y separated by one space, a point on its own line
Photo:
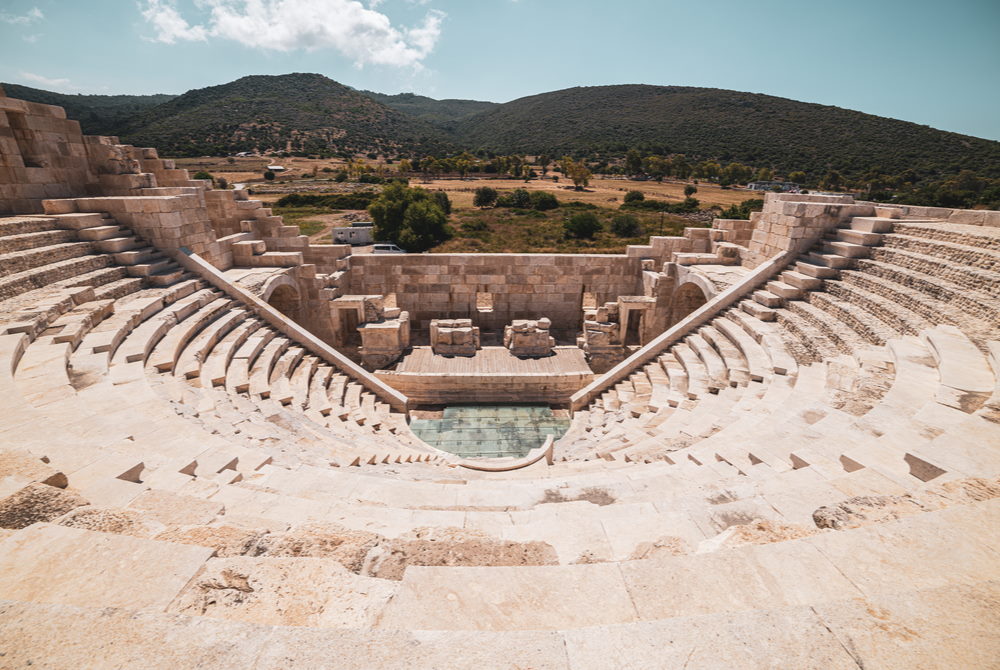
493 375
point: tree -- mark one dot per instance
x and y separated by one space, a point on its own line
341 177
764 174
269 175
485 197
519 198
442 200
201 174
543 162
690 190
657 167
625 225
222 183
832 181
633 162
423 226
634 196
798 177
582 226
577 171
543 201
410 217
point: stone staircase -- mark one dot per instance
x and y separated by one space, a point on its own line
851 315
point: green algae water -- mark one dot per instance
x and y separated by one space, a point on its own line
490 431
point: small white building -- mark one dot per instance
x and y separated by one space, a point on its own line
276 168
359 233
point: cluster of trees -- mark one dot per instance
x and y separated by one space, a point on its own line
413 218
519 198
742 210
356 200
636 200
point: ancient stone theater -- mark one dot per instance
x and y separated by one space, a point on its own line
771 443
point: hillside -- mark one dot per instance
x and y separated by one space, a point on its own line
294 112
97 114
759 130
441 112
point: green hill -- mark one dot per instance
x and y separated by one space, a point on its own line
97 114
295 112
759 130
441 112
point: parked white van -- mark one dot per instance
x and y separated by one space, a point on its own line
383 248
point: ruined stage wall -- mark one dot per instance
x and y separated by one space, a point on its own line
520 286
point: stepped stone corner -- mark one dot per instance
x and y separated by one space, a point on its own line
783 443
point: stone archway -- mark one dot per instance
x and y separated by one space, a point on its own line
285 298
688 297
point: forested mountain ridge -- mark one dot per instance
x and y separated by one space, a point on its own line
310 114
751 128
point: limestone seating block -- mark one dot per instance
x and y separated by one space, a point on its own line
801 281
873 224
859 237
847 249
23 467
783 290
768 299
538 598
70 566
831 260
811 269
966 379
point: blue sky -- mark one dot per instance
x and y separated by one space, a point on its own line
933 63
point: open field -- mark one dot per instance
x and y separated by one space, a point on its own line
601 192
475 230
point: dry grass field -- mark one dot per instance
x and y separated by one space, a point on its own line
601 192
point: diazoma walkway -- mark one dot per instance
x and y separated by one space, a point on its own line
802 472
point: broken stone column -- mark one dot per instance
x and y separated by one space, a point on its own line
601 338
384 341
454 337
529 338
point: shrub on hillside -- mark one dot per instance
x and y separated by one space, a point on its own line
543 201
625 225
582 226
634 196
485 197
519 198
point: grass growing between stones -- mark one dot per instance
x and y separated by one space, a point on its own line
303 217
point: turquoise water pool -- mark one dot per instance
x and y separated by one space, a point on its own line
490 431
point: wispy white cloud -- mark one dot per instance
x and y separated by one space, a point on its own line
357 31
30 39
49 82
33 15
169 25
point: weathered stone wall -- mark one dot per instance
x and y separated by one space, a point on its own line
42 155
794 222
521 286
